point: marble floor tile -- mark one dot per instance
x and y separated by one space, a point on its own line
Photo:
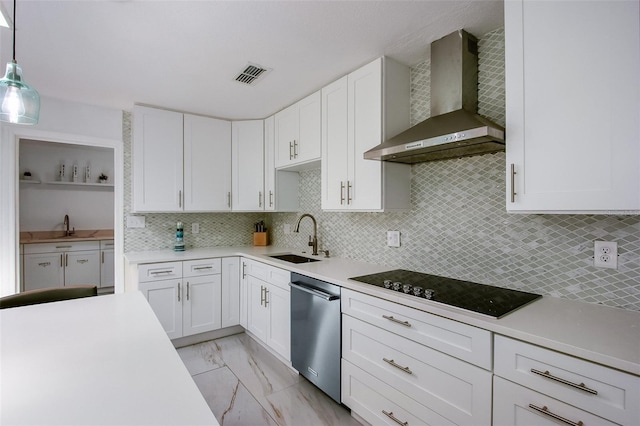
230 401
304 404
201 357
260 371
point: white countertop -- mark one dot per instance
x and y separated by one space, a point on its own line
602 334
100 360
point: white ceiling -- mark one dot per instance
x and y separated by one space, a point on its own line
184 55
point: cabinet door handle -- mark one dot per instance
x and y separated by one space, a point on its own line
341 192
391 318
394 418
544 410
179 291
61 264
66 260
290 150
259 198
180 199
513 183
244 272
270 198
295 149
229 199
103 257
266 297
548 375
349 188
398 366
261 295
187 290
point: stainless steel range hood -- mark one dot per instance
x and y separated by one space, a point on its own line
454 129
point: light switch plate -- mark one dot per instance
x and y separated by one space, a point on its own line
393 238
195 228
135 222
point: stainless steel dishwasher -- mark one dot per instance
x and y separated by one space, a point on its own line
315 332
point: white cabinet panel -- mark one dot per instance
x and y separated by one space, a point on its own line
230 291
247 165
573 106
335 148
202 304
280 187
43 270
297 134
107 268
82 267
207 164
157 160
257 313
165 299
279 331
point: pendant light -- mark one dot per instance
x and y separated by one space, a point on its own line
20 103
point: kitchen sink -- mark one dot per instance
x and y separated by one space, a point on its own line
294 258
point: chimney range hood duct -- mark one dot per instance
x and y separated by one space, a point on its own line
454 129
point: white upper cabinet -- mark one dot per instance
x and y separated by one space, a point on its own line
247 165
207 169
157 160
297 134
355 118
280 187
573 106
170 146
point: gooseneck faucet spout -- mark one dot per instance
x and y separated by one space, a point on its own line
313 241
66 224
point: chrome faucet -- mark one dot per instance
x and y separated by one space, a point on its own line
313 241
67 233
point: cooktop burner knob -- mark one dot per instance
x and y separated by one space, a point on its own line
397 286
407 288
417 291
428 293
387 283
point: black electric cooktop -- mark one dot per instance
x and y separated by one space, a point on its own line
480 298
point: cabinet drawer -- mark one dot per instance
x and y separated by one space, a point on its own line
462 341
459 391
379 403
602 391
61 247
271 274
195 268
159 271
106 244
515 405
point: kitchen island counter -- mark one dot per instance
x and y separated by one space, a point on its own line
98 360
601 334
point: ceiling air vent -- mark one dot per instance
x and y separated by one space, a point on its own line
252 73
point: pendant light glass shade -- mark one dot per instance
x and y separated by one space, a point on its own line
20 102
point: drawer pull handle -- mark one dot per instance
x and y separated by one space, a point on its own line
391 318
398 366
394 418
161 272
61 247
548 375
544 410
199 268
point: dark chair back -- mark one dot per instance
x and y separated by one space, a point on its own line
33 297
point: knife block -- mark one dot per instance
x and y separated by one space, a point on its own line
260 239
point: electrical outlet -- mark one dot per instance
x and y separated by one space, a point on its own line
135 222
393 238
605 254
195 228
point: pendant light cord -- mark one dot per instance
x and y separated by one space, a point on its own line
14 31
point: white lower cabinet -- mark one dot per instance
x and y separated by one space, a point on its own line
107 264
396 366
61 264
185 296
230 291
568 387
266 312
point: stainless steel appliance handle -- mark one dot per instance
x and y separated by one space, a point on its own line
550 376
394 418
318 293
544 410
